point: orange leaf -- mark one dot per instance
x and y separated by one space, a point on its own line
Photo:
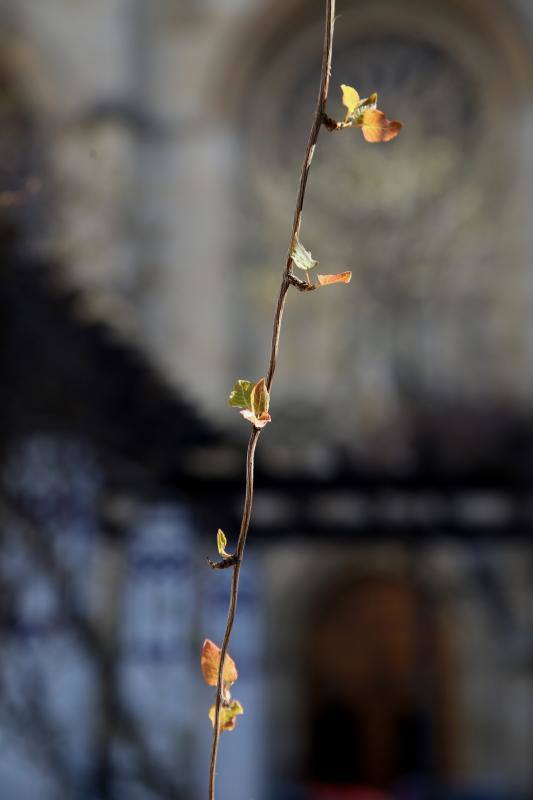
377 128
340 277
210 664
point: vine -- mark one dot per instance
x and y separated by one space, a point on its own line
253 399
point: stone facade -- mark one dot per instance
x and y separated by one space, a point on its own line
172 135
168 137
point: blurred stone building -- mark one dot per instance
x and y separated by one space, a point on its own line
150 158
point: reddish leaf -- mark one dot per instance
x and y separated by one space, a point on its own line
210 664
376 127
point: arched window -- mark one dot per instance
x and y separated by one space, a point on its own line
432 225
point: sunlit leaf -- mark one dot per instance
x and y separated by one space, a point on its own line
301 257
340 277
377 128
259 399
227 715
253 399
350 99
210 664
221 544
354 104
257 422
240 394
364 114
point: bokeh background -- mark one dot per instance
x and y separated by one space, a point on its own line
150 152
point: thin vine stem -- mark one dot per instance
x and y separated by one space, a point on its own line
287 280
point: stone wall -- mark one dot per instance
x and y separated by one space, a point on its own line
171 136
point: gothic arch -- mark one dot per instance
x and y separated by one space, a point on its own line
496 27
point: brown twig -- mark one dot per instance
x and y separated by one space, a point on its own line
287 280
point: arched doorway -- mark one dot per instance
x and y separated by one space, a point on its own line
379 688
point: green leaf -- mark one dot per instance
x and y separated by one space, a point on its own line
227 716
221 543
301 257
240 395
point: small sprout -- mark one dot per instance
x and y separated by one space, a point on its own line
350 99
254 400
211 662
340 277
301 257
368 104
364 114
355 106
221 544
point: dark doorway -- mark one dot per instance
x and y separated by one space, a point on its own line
379 687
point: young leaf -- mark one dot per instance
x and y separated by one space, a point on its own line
221 544
350 99
363 113
368 104
301 257
340 277
240 394
227 715
259 399
210 664
356 107
254 399
377 128
257 422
